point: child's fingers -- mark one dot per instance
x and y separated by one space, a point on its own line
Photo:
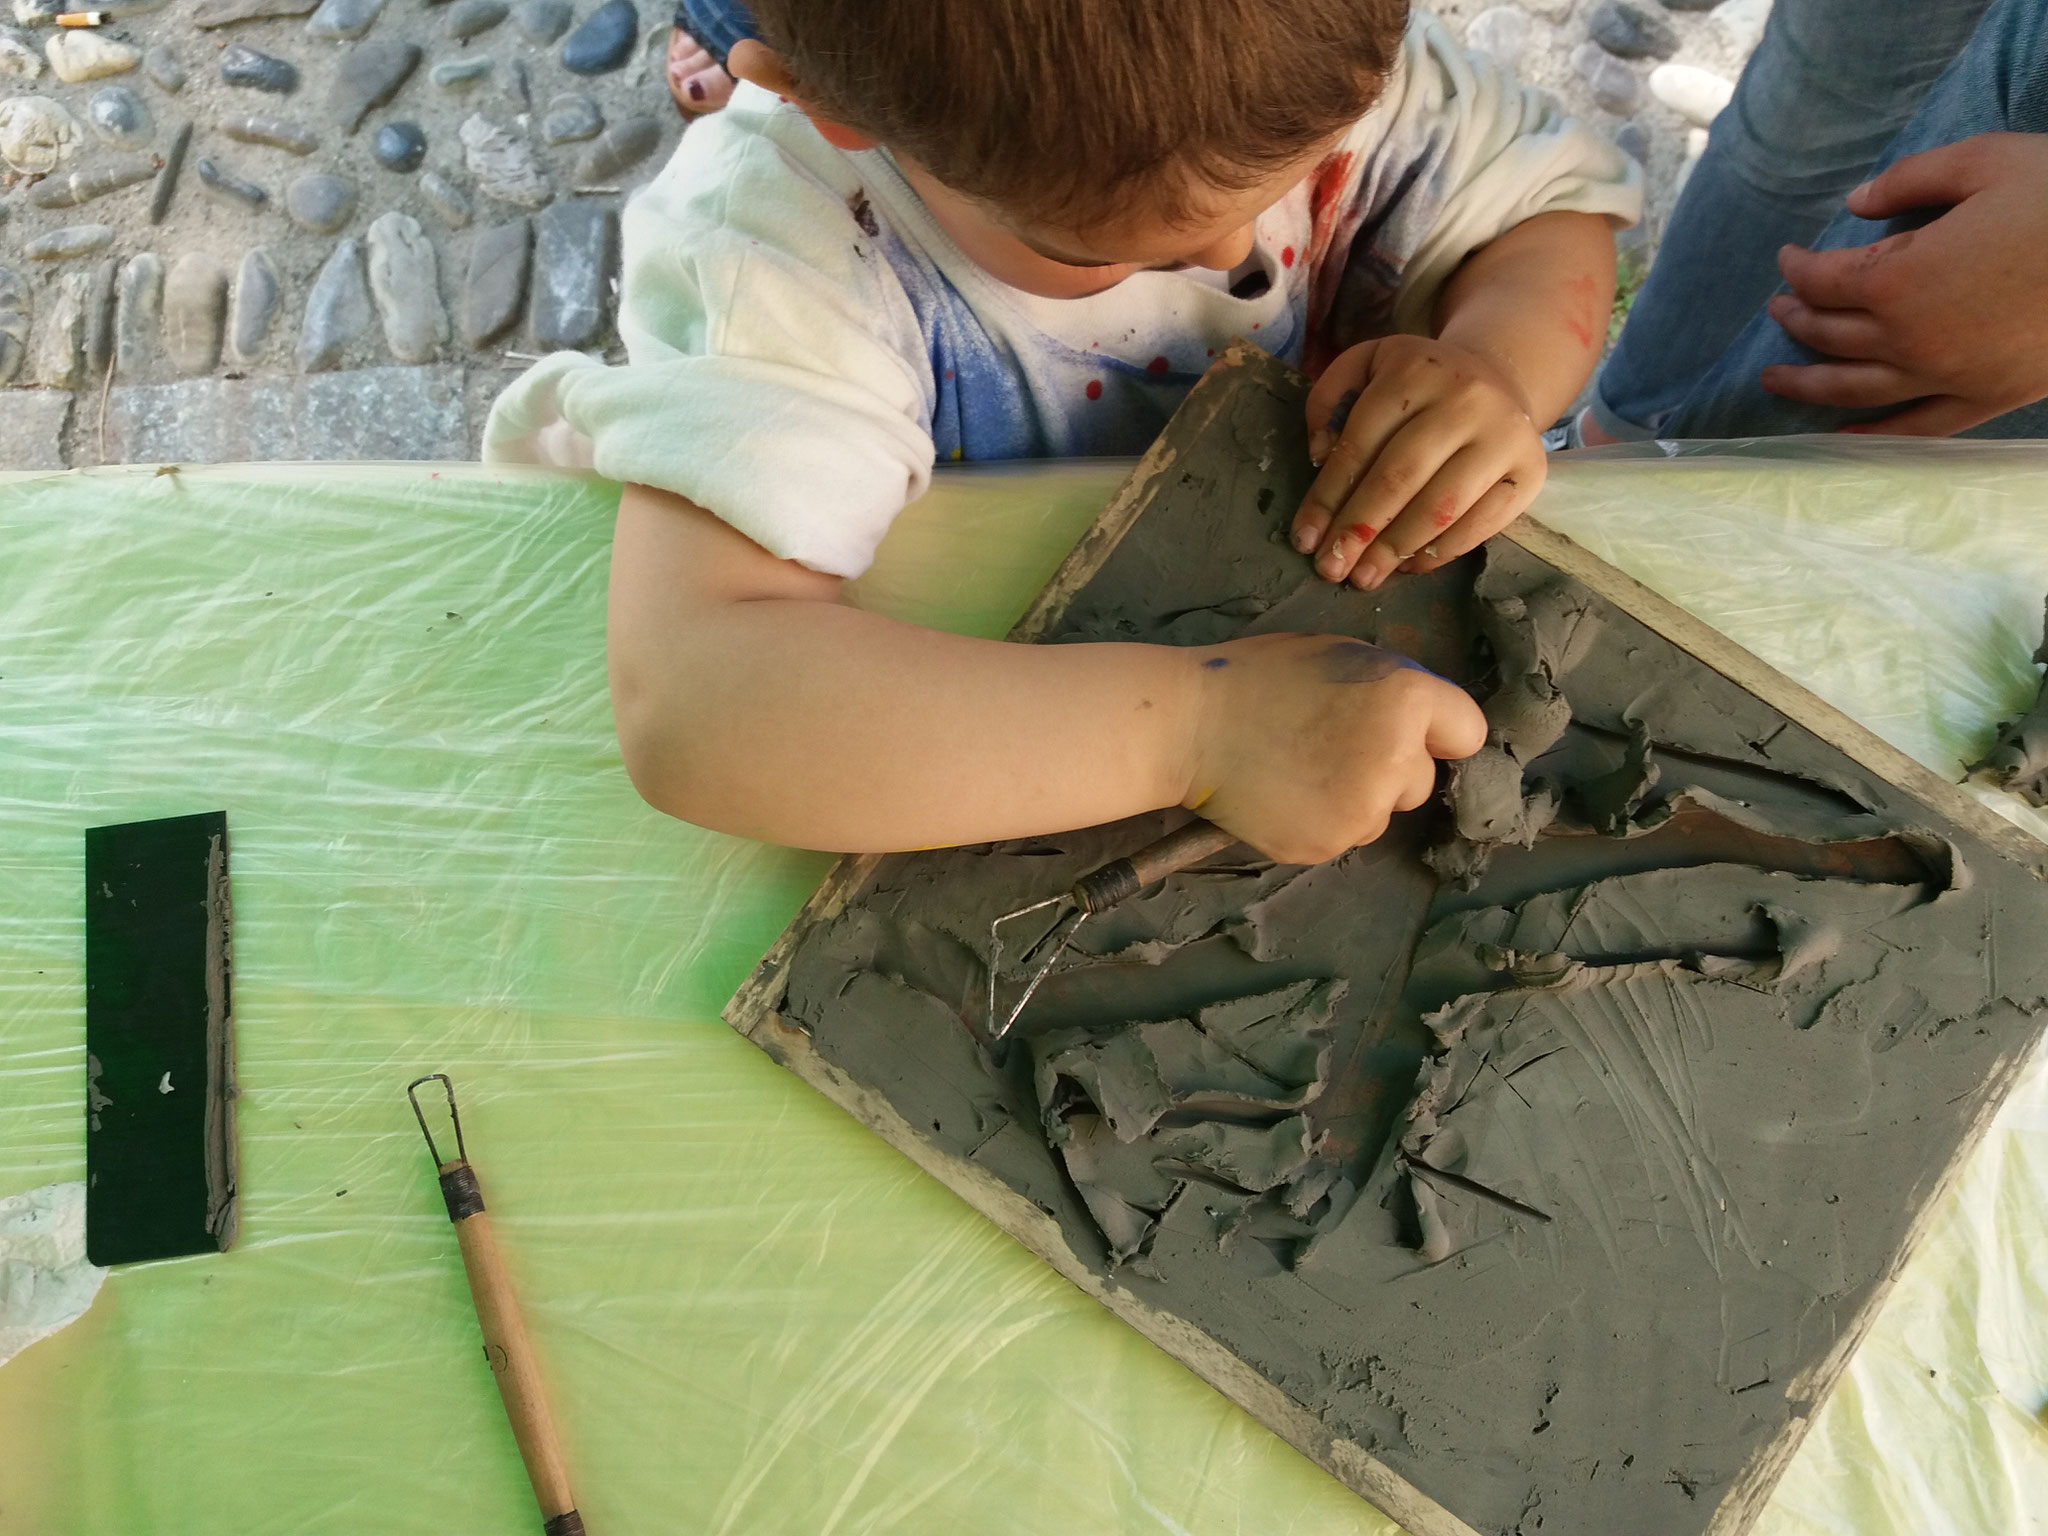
1506 500
1413 453
1374 419
1451 494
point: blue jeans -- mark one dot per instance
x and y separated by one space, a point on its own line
1837 90
716 24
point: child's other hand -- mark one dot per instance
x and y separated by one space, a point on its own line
1305 745
1426 449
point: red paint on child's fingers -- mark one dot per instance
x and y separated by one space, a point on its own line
1365 533
1445 512
1095 389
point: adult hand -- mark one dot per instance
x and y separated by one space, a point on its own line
1953 316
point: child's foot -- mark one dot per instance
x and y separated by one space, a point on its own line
694 78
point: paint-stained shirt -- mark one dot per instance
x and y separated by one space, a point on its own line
804 342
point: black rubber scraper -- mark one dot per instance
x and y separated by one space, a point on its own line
159 1040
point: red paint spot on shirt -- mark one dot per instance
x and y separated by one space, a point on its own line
949 373
1095 389
1157 367
1255 325
1287 256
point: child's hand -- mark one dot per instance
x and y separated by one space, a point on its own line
1305 745
1426 451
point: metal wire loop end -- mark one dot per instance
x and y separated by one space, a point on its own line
412 1094
1038 958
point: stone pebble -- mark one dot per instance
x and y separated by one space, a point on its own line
164 67
39 13
37 134
138 315
575 249
472 18
278 133
17 310
167 179
1742 21
542 21
208 14
461 74
494 292
503 165
195 312
1614 85
370 76
570 120
1695 94
256 71
344 20
99 315
118 116
54 351
1629 32
72 188
76 55
605 41
620 147
405 285
321 202
230 186
400 147
1634 140
71 241
446 199
1501 33
257 294
337 310
18 57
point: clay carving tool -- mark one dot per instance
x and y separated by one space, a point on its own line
497 1313
1095 892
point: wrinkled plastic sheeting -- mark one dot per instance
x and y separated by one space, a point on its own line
754 1316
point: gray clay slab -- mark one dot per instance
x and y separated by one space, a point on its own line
1524 1187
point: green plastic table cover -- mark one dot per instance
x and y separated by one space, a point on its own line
755 1317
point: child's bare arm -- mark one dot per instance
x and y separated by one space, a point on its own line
749 699
1429 447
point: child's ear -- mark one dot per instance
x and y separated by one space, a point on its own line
755 61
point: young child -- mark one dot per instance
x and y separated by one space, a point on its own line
931 230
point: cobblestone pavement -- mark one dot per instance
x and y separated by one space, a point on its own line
331 229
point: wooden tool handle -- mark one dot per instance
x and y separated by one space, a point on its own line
511 1355
1123 878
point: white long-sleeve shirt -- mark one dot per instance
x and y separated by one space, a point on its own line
804 341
